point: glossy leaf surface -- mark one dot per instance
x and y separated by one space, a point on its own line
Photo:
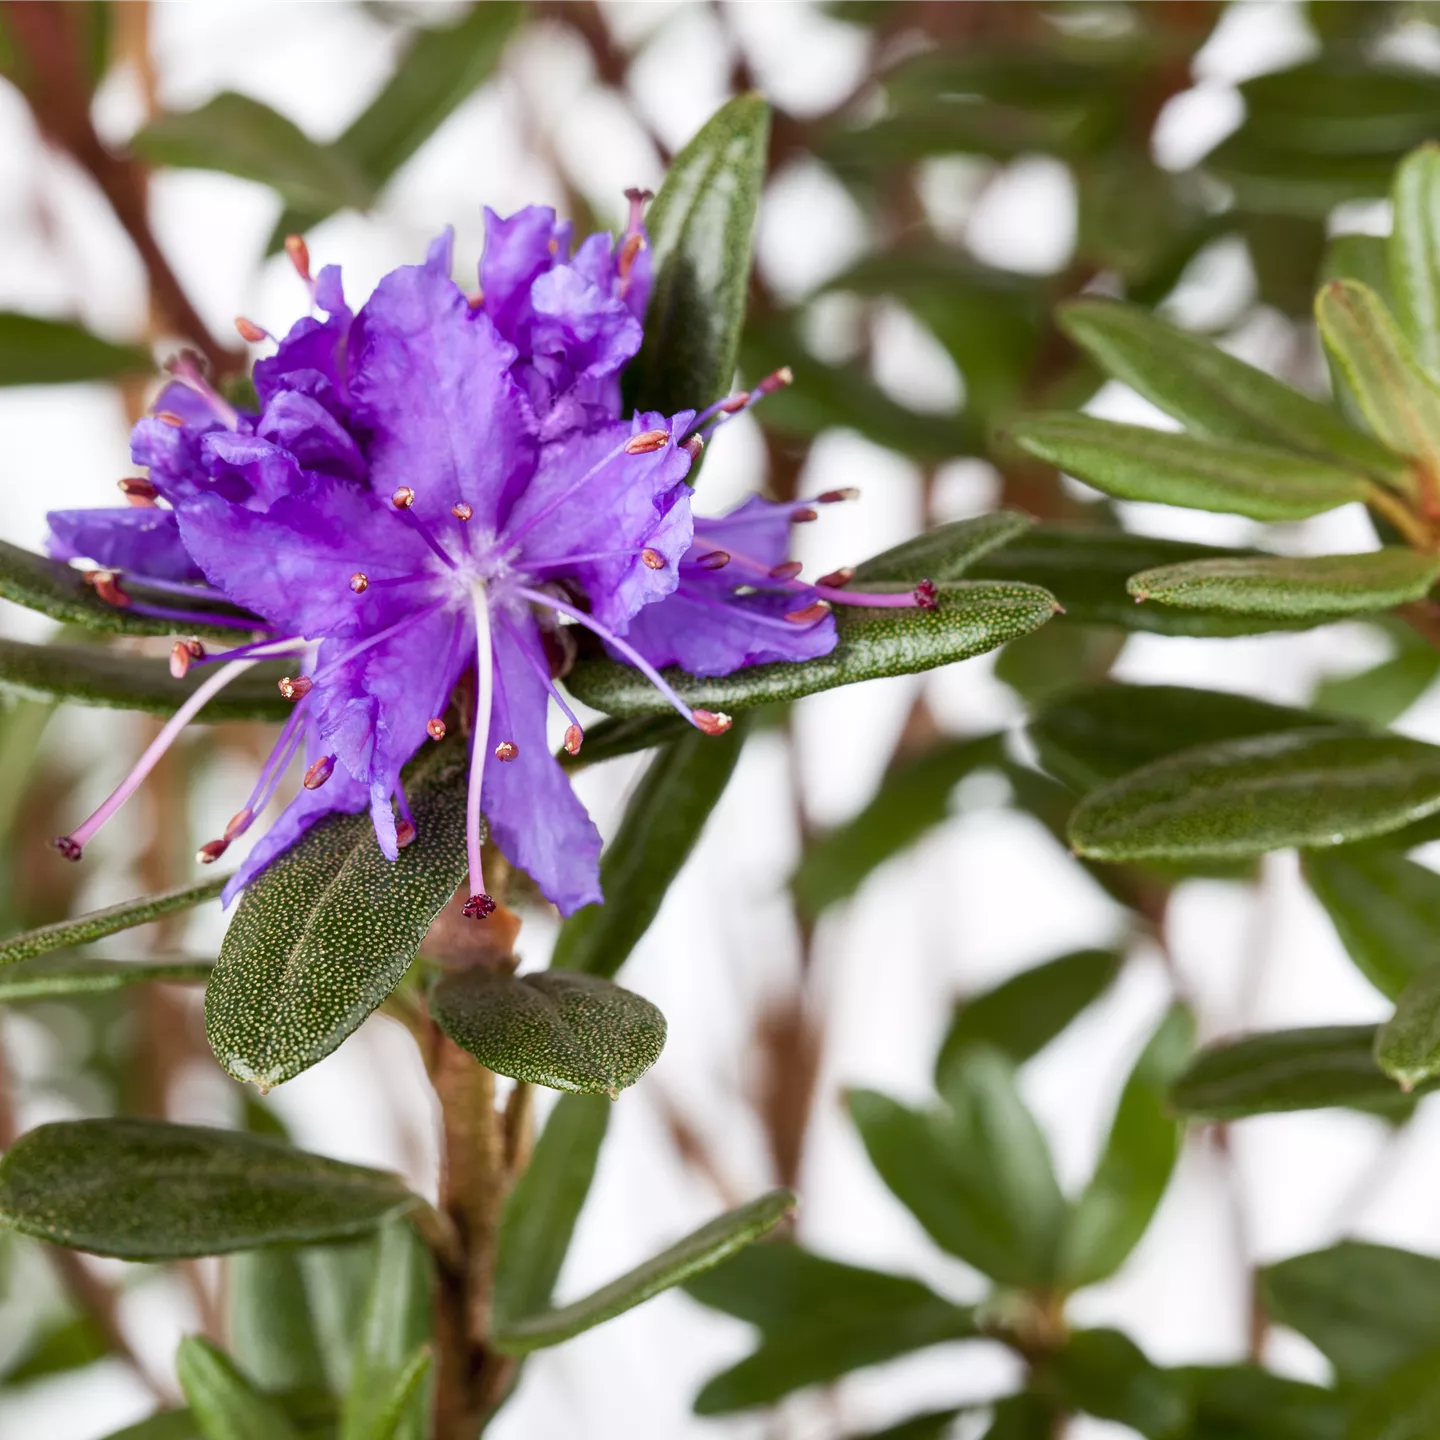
1408 1045
1414 252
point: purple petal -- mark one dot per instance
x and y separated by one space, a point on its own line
533 814
594 333
440 257
758 529
309 431
517 250
172 453
318 345
248 470
145 540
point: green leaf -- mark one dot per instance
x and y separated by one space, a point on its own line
1105 1374
225 1405
1385 908
1116 1207
969 620
1087 571
59 591
1319 787
1382 694
45 980
1101 732
37 351
1135 462
818 1320
92 675
609 739
1244 1402
1403 1405
946 552
64 934
1293 588
1415 251
1337 105
1213 393
1023 1417
1366 1308
911 800
326 931
272 1333
244 137
701 226
932 1425
698 1251
663 821
1398 399
557 1028
1284 1070
54 1349
145 1190
1407 1047
1021 1016
975 1173
541 1211
439 69
399 1405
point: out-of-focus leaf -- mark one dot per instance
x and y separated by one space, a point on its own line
932 1425
326 931
1105 1374
1336 107
38 351
59 591
1212 392
701 227
1287 253
1271 179
64 934
438 70
609 739
1383 693
1307 587
969 619
911 800
1366 1308
1385 908
1101 732
818 1320
1023 1417
1134 462
557 1028
1415 251
541 1211
1022 1015
1116 1207
145 1190
1057 659
1408 1045
69 1344
1282 1070
662 823
46 980
272 1334
223 1402
92 675
705 1247
1138 220
946 552
244 137
1403 1405
975 1173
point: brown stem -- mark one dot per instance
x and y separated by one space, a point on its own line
47 39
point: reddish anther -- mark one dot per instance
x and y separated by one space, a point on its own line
788 571
714 560
170 418
296 687
435 728
211 851
359 582
738 401
776 380
461 511
803 514
403 498
712 722
250 332
647 441
136 490
180 658
107 587
506 750
625 261
239 823
299 253
574 739
404 833
319 772
925 596
478 907
837 579
693 446
67 847
833 497
475 300
652 559
816 610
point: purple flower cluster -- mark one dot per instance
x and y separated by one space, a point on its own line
433 491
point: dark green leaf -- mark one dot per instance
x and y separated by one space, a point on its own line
272 1334
663 820
1116 1207
701 226
1273 179
1023 1417
92 675
59 591
1021 1016
37 351
1404 1405
325 932
243 137
1287 1070
1293 588
1318 787
944 553
145 1190
1057 659
1385 908
969 620
1415 251
64 934
1244 1402
818 1320
1335 106
975 1173
225 1405
1134 462
45 980
541 1211
698 1251
1408 1045
1102 732
609 739
933 1425
1366 1308
911 800
1212 392
438 70
1105 1374
1382 694
557 1028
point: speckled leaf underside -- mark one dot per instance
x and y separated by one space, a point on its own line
146 1190
324 934
559 1029
970 619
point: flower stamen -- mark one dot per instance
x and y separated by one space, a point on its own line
479 905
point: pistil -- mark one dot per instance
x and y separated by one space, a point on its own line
479 905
